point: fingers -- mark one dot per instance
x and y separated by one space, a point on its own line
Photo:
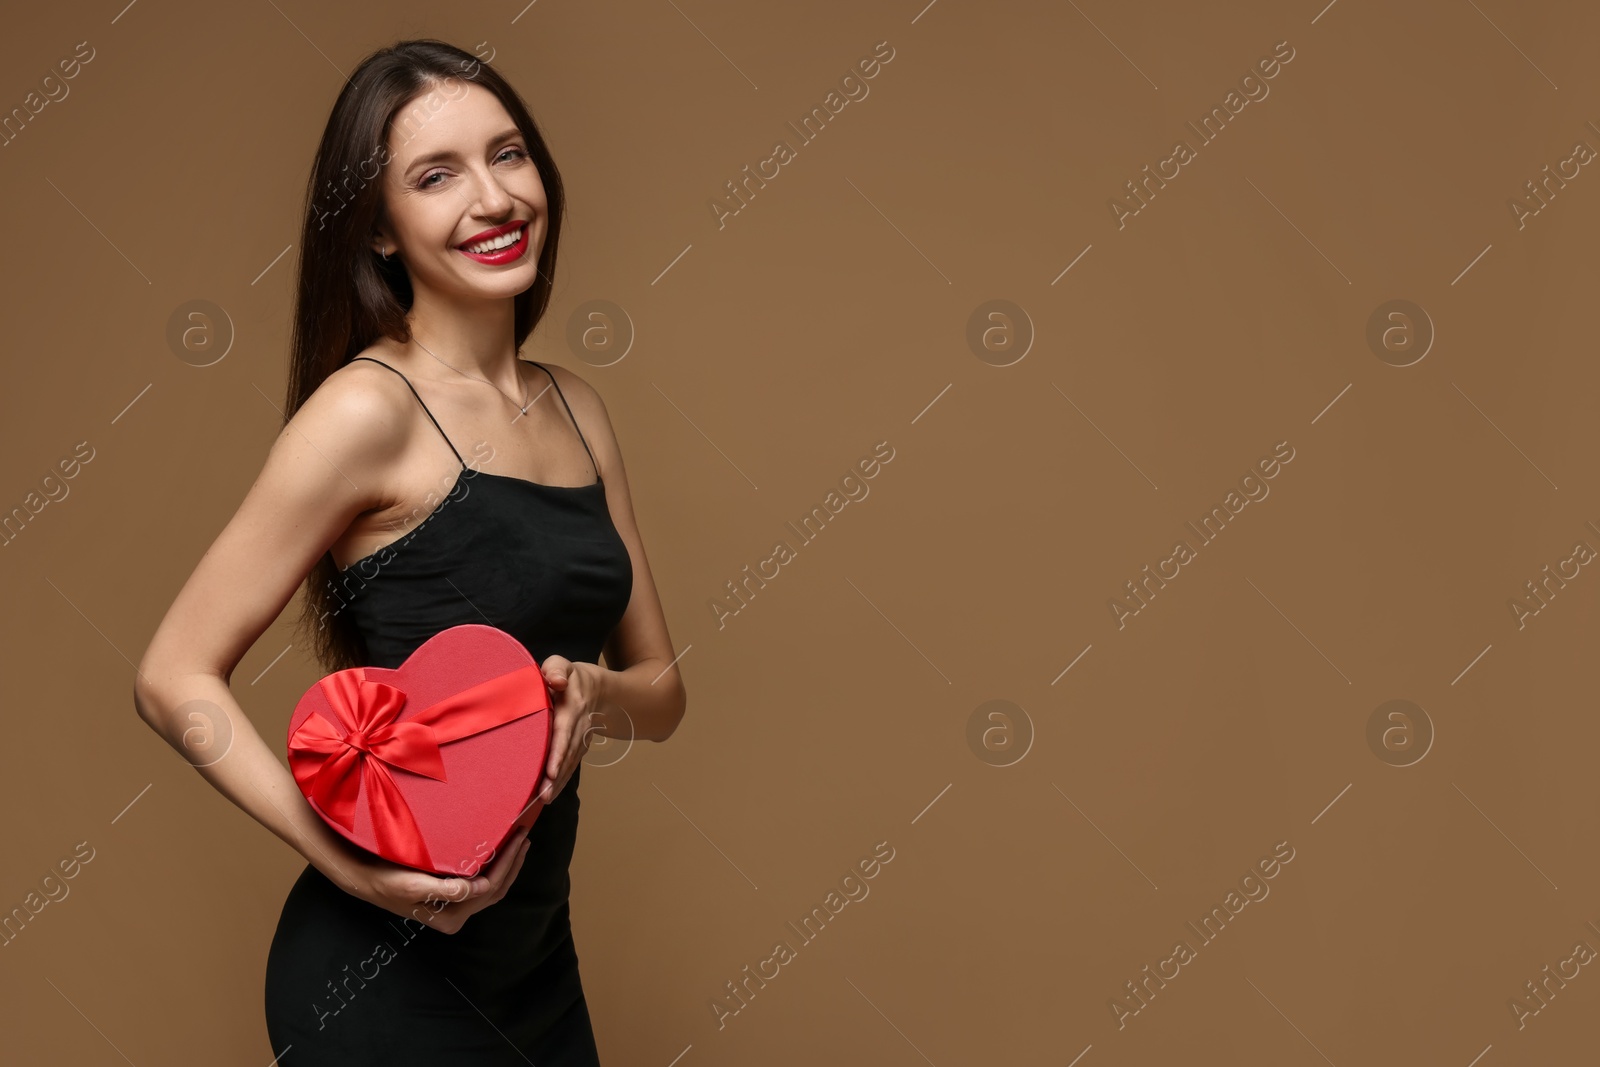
554 770
496 874
420 888
567 750
555 670
566 760
511 875
572 725
446 889
452 917
554 782
558 749
570 764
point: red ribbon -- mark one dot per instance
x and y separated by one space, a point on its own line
331 761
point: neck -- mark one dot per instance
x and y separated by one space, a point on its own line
476 337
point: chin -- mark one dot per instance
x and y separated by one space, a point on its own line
506 285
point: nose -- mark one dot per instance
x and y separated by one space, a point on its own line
490 198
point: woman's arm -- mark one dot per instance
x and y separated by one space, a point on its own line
324 469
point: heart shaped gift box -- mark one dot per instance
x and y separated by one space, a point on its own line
434 764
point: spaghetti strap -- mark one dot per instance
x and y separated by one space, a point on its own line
571 416
425 410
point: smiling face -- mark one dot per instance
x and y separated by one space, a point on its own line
464 208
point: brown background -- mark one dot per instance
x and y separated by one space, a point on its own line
835 710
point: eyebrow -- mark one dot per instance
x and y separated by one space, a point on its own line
449 155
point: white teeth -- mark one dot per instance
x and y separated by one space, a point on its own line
505 240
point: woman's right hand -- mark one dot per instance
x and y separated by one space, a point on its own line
443 902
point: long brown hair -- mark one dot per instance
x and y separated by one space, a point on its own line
347 297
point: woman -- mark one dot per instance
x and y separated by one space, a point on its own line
428 250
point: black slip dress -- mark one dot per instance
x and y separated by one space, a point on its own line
349 983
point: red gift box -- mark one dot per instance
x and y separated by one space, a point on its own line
434 764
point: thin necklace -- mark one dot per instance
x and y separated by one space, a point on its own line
523 407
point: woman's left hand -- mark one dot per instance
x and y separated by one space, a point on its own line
574 702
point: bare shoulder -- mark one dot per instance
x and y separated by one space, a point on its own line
354 424
361 404
573 385
587 406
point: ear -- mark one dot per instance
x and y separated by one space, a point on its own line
381 241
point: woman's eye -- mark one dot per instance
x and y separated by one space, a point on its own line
427 181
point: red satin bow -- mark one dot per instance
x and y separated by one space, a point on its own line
331 760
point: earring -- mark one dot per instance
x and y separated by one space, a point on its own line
385 253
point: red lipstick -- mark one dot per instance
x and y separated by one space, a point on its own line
511 253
